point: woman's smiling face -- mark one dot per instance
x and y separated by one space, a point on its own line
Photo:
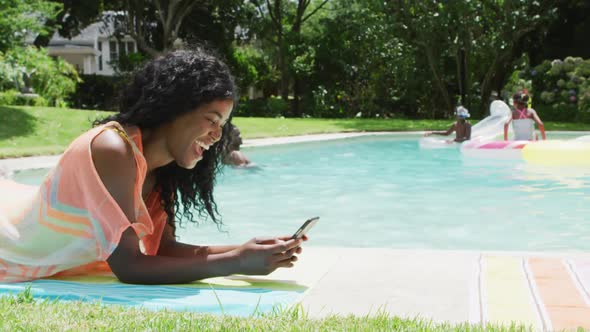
192 133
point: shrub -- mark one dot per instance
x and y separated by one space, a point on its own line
8 97
563 89
97 92
557 112
13 97
271 107
53 79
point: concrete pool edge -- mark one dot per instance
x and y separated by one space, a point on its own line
453 286
10 165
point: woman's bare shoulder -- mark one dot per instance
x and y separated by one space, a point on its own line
114 162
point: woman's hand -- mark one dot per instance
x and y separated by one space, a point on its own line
261 256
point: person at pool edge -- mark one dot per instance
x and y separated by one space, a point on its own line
523 120
117 194
461 127
232 154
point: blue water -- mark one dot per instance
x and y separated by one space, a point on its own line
384 191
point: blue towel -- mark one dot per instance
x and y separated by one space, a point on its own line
240 296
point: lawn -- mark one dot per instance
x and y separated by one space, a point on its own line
21 313
38 130
29 131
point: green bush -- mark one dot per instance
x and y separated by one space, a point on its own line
562 89
557 112
40 101
277 106
271 107
127 63
53 79
97 92
13 97
8 97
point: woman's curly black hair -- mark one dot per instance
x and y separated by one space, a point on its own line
159 92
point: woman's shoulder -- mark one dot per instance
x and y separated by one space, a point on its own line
110 150
101 150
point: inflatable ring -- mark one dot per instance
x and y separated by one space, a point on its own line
494 149
558 153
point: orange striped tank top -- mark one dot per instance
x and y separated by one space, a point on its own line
70 224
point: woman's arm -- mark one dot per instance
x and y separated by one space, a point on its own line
114 161
170 247
130 265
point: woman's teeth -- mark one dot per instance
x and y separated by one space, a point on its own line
203 145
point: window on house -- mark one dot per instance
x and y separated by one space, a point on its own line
122 50
100 55
113 55
130 47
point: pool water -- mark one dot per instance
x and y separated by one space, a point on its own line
384 191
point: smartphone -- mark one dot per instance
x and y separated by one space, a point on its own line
307 225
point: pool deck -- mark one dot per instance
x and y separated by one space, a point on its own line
9 165
548 291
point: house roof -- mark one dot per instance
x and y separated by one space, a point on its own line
103 29
72 49
88 35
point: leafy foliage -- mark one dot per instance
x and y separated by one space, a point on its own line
53 79
21 18
96 92
562 89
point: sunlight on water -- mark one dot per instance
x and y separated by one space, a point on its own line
386 192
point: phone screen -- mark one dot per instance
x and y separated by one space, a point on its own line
305 227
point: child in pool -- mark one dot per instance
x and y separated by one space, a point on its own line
523 120
461 127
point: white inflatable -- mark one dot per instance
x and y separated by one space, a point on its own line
583 138
437 142
485 130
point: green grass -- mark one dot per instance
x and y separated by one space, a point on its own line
22 313
29 131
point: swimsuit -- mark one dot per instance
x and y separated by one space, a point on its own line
524 127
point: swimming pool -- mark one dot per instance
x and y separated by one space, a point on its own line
384 191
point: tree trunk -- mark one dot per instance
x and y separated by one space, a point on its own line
297 111
437 78
284 71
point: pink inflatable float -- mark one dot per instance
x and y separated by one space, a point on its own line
494 149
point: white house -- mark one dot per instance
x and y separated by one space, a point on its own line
93 50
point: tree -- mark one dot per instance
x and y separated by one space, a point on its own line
21 18
285 20
361 66
169 15
73 16
566 36
470 46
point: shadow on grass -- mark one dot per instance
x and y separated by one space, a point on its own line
15 122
